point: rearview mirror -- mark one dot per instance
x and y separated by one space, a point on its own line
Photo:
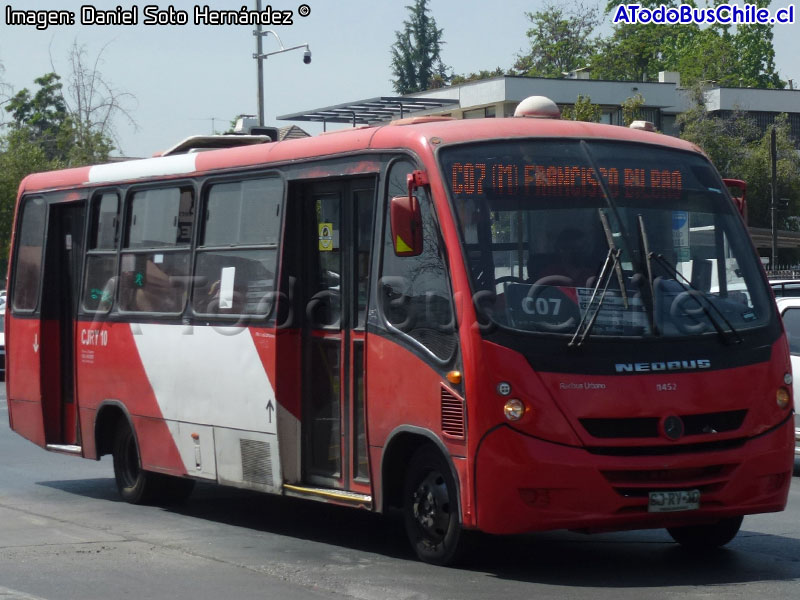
406 221
739 201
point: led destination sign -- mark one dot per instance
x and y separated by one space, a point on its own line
470 179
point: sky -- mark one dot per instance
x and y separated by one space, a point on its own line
187 79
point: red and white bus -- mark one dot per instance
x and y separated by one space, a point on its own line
504 325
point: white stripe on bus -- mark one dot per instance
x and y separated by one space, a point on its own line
139 169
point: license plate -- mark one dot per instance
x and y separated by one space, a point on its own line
674 501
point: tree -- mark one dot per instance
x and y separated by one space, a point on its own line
93 105
49 129
740 150
416 54
583 110
41 117
560 41
756 56
637 52
756 170
483 74
632 109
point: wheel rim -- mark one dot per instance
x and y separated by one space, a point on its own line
431 506
130 463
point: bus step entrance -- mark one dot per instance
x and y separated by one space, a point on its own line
65 449
329 495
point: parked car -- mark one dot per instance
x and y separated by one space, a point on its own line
789 307
785 288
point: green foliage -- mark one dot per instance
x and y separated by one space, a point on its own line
637 52
42 116
632 109
484 74
740 151
756 170
583 110
559 39
49 129
20 155
416 54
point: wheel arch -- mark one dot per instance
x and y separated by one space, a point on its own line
400 446
110 414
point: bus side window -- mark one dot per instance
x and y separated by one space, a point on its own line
414 292
238 248
101 261
29 255
155 266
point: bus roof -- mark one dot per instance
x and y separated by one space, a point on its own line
412 133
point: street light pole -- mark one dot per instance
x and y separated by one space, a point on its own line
260 56
773 152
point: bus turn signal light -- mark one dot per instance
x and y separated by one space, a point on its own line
514 409
784 398
454 377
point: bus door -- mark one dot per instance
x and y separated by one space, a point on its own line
60 294
337 241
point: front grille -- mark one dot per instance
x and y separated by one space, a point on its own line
667 449
647 427
637 483
453 420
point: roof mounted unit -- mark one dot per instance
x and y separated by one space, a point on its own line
643 125
537 107
200 143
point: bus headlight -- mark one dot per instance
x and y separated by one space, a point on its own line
514 409
783 397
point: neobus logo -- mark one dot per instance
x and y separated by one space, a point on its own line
672 365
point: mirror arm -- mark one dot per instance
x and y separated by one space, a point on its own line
415 180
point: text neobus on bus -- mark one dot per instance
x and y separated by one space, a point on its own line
504 325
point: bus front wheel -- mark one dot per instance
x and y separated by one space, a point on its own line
430 509
703 537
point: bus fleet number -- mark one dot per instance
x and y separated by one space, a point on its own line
541 306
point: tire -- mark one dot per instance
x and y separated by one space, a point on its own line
135 485
431 510
704 537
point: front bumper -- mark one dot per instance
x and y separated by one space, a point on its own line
526 484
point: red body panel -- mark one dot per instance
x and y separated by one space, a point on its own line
115 373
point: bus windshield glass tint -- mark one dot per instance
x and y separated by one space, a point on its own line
641 240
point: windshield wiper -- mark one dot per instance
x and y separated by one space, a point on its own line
610 265
693 292
649 265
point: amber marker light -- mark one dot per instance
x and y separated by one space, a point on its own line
783 397
454 377
514 409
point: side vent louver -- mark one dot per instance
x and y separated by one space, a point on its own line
453 419
256 461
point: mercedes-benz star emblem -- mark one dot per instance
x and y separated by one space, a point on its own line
672 427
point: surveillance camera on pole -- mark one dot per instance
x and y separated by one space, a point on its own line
260 56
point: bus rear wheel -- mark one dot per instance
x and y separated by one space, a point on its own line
430 509
135 485
704 537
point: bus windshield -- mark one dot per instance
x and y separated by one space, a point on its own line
604 238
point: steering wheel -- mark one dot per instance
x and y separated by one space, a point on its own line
681 313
